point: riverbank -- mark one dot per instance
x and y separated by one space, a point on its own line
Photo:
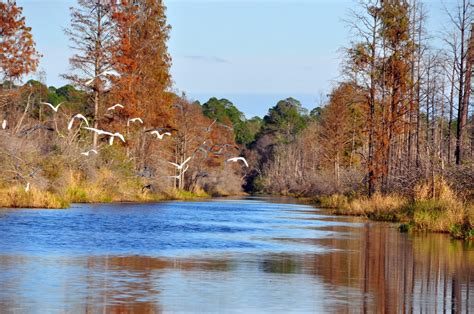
17 197
444 213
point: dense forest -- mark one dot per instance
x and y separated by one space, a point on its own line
398 122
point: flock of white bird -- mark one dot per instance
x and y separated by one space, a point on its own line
112 136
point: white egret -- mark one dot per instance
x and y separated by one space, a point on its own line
77 116
100 132
160 136
4 124
27 187
112 135
89 82
55 109
89 151
134 120
235 159
116 134
115 106
180 166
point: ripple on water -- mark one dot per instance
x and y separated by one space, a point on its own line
223 255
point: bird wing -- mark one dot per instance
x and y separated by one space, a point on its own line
245 161
98 131
48 104
69 126
94 151
136 119
233 159
120 136
184 162
80 116
174 164
93 129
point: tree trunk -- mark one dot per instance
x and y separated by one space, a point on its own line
461 108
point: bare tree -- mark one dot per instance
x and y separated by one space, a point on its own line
91 35
461 21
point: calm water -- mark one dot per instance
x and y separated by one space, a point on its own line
253 255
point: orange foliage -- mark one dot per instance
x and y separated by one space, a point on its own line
18 55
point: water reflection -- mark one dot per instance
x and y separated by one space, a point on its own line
362 267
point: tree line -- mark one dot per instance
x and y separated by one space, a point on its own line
120 88
401 114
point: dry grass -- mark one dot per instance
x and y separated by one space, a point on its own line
17 197
380 207
438 215
337 202
185 195
441 211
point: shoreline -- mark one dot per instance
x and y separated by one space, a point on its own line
34 199
449 216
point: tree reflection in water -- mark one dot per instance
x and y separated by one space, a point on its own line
321 263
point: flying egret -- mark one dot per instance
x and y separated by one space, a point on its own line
180 166
77 116
89 82
134 120
115 106
4 124
89 151
160 136
100 132
235 159
55 109
116 134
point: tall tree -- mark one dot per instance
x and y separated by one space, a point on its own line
225 112
18 54
337 132
91 35
149 37
461 21
142 63
363 70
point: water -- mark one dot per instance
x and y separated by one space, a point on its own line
242 255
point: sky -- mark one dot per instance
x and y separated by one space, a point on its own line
252 52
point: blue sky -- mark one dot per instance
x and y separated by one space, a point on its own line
253 52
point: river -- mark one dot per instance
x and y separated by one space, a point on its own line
224 255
